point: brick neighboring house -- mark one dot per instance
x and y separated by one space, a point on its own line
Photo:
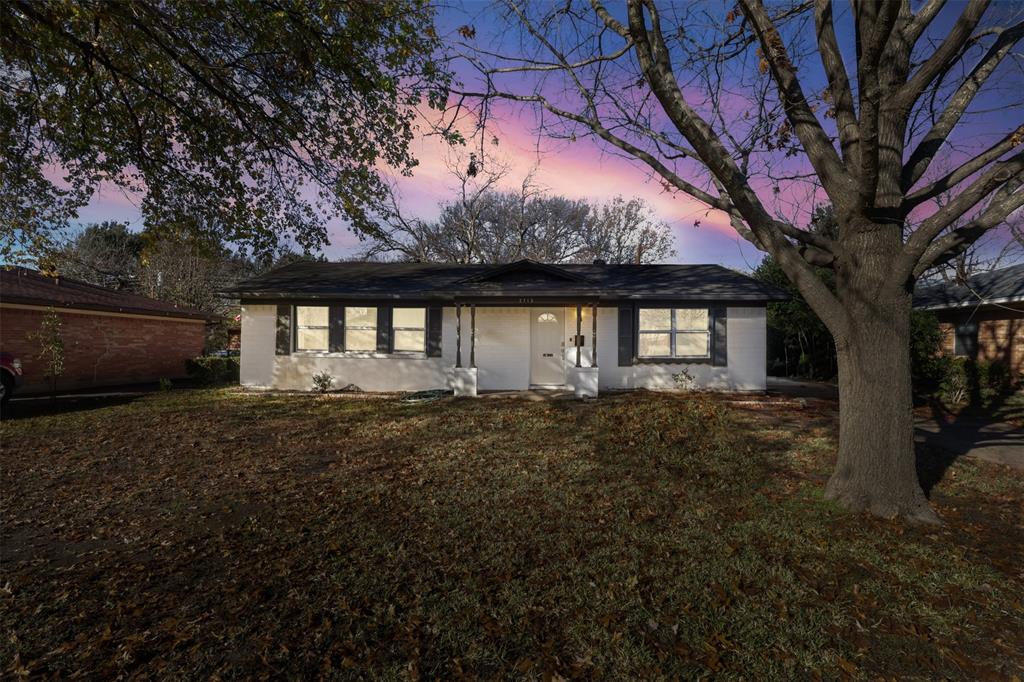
110 337
982 317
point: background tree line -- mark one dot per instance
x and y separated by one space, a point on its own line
483 223
172 266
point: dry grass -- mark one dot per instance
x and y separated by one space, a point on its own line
201 533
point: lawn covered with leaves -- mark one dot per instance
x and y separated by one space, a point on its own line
216 533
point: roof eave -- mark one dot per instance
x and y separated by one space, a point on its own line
453 295
969 304
124 310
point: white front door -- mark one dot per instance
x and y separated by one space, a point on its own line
547 365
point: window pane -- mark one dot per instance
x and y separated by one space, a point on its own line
692 344
360 317
311 316
360 339
655 318
692 318
311 339
409 339
966 341
409 317
655 345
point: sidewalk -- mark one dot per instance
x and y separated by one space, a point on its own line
971 437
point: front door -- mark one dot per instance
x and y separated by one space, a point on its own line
547 364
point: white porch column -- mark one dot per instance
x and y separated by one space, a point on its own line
472 335
579 322
593 335
458 335
464 379
584 380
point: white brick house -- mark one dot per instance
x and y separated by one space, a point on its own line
417 326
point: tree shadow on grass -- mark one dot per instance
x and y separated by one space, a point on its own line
38 407
957 433
932 463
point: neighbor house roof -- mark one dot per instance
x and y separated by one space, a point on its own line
438 281
28 287
1005 285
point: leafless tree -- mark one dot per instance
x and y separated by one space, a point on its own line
484 224
722 104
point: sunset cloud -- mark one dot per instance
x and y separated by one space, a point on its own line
578 170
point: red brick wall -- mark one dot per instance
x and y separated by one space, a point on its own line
103 350
1000 334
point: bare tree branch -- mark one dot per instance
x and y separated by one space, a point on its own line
838 80
959 240
816 143
1001 175
965 170
922 19
944 56
933 140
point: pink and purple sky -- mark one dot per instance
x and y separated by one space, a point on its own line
580 169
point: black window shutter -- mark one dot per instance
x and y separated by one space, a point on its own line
719 351
337 329
434 317
383 329
627 333
284 330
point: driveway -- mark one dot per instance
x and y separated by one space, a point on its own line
971 437
798 388
964 436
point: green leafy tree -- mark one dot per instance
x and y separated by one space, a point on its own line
107 254
799 341
927 364
169 264
50 343
258 121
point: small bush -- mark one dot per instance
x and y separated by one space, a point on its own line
976 382
953 388
208 369
322 382
684 380
927 363
165 384
995 377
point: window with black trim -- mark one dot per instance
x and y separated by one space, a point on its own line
409 327
674 333
312 327
360 329
965 344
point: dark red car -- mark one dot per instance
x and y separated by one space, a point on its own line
10 376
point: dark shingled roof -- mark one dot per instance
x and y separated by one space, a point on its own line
438 281
1005 285
25 286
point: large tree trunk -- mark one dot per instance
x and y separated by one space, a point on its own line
876 469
